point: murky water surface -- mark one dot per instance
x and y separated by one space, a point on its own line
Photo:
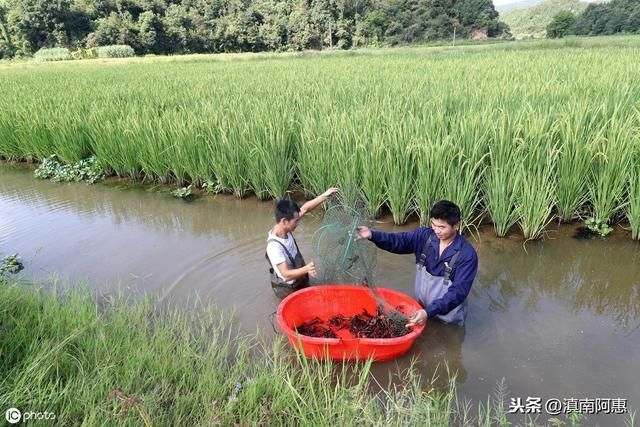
561 320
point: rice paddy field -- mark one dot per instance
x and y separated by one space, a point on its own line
517 137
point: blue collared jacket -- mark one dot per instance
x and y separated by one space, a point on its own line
462 275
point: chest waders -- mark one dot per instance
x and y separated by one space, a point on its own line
280 286
429 288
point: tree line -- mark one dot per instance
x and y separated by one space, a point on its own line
203 26
616 16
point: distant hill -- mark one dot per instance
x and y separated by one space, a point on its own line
517 5
532 21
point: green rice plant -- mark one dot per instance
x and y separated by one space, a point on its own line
536 190
189 151
345 168
633 194
111 141
399 172
574 133
536 173
465 169
333 121
34 137
271 161
464 173
500 183
613 148
9 145
156 146
432 161
371 157
232 149
338 164
432 154
315 157
69 136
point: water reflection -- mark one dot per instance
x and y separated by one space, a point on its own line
223 216
600 276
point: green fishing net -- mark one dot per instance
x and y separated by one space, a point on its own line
339 257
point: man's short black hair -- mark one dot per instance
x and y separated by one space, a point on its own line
447 211
286 208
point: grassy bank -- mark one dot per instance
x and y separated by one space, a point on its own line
494 123
122 361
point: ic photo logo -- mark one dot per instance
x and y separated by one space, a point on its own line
13 415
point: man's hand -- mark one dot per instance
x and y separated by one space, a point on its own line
329 192
311 269
417 319
363 232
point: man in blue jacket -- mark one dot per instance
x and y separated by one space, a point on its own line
446 263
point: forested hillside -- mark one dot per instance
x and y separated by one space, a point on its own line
533 21
194 26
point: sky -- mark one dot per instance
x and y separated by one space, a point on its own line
503 2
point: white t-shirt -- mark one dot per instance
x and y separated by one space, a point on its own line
276 253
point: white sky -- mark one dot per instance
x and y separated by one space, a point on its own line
503 2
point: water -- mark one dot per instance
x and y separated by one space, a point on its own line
559 320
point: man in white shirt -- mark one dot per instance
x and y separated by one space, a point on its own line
289 272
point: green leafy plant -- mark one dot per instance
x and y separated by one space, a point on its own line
11 264
211 187
598 226
183 192
88 170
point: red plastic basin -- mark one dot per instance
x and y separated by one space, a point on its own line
325 301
